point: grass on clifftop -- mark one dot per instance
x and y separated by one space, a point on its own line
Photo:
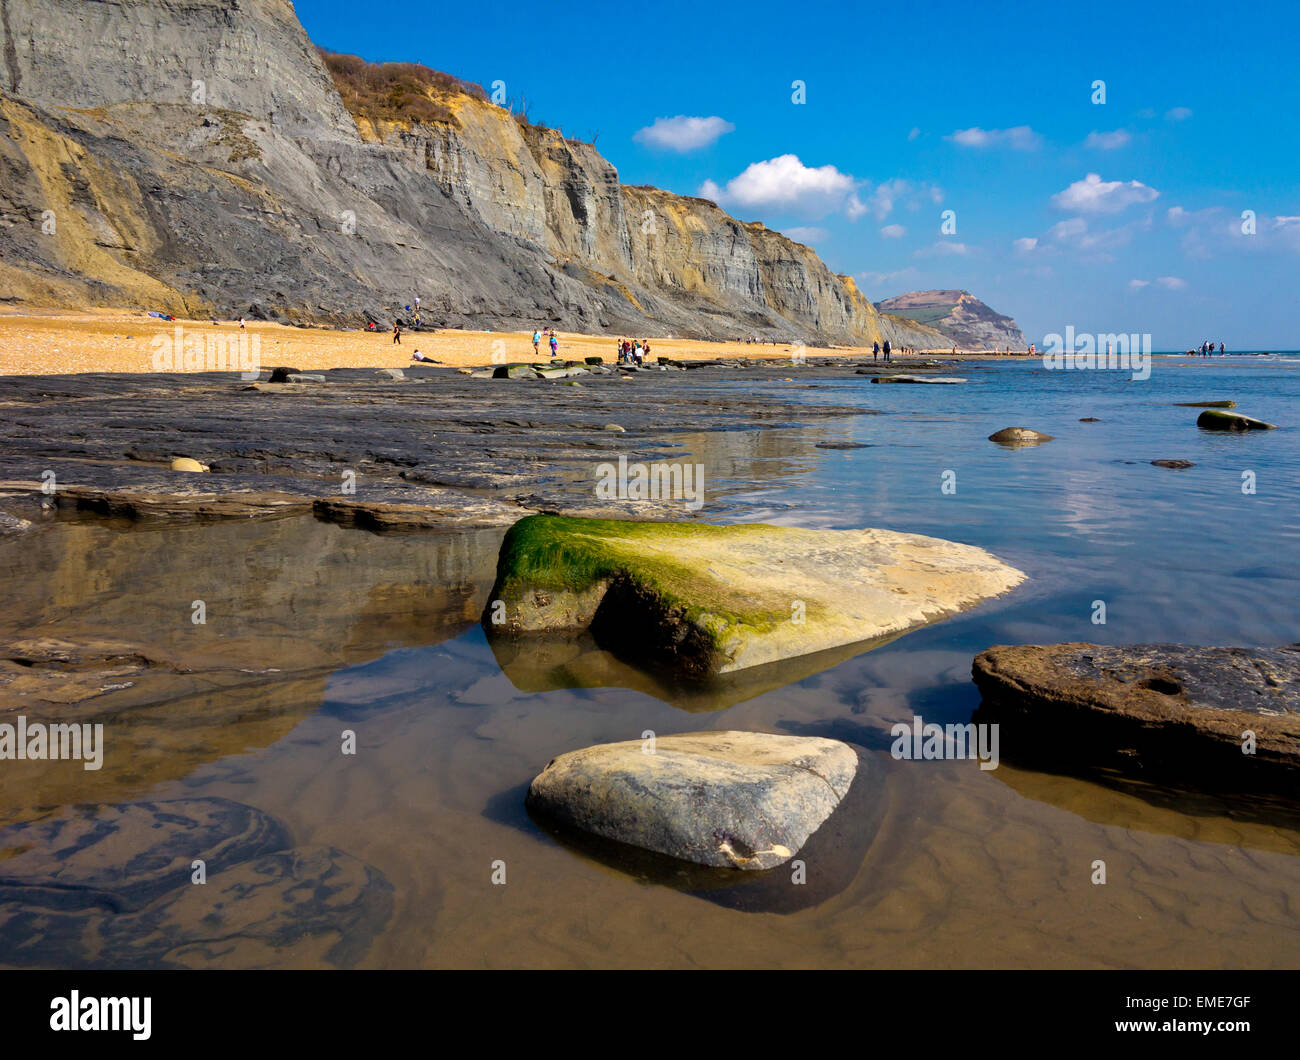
395 91
404 92
558 554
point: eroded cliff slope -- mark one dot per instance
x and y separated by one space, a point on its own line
195 156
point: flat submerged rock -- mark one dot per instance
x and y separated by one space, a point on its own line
736 800
1178 710
702 600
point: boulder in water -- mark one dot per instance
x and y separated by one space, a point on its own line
1017 437
1215 420
738 800
701 600
1207 717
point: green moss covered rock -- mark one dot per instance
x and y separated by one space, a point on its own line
701 599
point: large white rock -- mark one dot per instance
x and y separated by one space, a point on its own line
713 599
741 800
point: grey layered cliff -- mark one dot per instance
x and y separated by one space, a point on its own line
195 156
961 316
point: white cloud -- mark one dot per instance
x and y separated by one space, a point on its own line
683 133
1178 114
1069 229
1026 244
1138 284
893 231
913 134
944 248
1107 141
1021 138
1094 195
806 234
1171 283
877 281
890 193
786 183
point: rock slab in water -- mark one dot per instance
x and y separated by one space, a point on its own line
1164 708
948 380
741 800
703 600
1214 420
1177 465
1015 437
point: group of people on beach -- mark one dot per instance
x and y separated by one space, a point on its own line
548 335
632 351
1207 349
887 350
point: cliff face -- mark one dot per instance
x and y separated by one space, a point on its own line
961 316
195 156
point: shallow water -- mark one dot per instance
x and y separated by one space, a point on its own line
378 636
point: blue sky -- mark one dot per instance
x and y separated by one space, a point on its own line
1122 216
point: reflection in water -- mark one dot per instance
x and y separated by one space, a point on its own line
312 631
98 626
546 663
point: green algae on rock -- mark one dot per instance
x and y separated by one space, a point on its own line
702 600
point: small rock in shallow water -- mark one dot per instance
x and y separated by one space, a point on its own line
1015 437
1177 465
12 524
740 800
1214 420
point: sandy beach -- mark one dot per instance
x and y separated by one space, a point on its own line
59 342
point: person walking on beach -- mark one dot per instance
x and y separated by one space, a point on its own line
554 343
241 323
537 339
1221 349
645 349
875 350
397 333
888 351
